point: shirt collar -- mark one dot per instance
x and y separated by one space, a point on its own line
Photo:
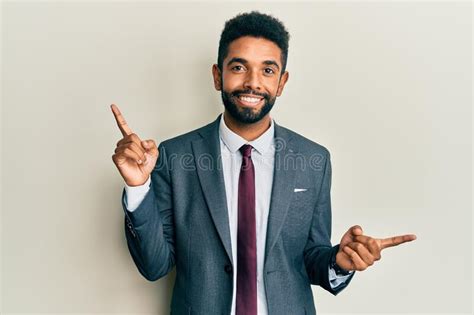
233 141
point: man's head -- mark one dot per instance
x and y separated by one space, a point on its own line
250 70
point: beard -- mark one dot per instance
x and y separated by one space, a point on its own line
246 115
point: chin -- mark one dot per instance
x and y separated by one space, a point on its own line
244 111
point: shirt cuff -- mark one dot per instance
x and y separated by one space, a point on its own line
335 280
134 195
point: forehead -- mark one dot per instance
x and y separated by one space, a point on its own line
254 49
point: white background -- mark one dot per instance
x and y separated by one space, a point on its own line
385 86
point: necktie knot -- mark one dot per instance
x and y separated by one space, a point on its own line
246 150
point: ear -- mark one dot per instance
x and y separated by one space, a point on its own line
281 84
216 74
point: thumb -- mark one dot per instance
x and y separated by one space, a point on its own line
356 230
146 144
348 237
149 146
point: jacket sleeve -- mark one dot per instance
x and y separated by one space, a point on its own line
318 249
149 229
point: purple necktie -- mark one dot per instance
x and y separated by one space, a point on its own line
246 298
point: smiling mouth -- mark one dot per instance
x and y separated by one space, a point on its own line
249 100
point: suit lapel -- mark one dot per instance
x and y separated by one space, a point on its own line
284 176
207 157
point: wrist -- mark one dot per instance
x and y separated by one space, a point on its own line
333 264
138 184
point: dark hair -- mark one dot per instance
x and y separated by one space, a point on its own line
254 24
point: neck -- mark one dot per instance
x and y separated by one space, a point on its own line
248 131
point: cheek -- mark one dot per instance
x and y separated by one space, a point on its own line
271 84
273 89
231 82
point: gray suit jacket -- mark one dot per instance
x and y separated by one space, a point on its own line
183 222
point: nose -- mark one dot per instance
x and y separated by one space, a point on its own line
252 81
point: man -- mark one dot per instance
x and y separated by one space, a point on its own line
242 205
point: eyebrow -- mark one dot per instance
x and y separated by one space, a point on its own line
244 61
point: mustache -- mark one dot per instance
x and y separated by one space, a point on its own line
248 91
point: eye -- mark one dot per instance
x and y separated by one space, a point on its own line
269 71
237 68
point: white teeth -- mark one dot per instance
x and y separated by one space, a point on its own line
249 99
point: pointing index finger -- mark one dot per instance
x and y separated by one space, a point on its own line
396 240
121 122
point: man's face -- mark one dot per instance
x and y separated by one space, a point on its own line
251 78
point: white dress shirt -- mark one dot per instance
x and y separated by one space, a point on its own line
263 153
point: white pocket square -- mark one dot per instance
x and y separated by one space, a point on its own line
300 189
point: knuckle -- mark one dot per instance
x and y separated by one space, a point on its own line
132 145
149 141
138 149
124 139
135 137
361 266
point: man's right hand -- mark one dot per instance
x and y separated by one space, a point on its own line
134 158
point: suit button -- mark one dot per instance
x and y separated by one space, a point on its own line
228 268
130 228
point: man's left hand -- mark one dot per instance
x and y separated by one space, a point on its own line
358 251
